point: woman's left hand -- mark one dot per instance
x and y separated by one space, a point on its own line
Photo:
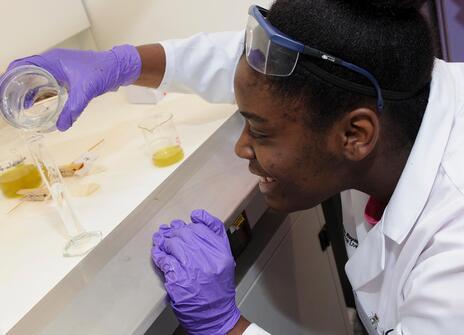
199 273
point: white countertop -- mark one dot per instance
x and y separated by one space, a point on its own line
41 291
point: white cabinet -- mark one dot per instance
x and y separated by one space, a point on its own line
297 291
29 26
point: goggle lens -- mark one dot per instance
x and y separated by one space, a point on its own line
265 56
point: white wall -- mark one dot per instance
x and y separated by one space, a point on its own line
28 26
83 40
148 21
32 26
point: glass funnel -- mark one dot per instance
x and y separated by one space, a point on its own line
31 99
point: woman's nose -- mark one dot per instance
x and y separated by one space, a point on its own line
243 148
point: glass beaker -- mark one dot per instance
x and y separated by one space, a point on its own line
17 168
162 140
31 99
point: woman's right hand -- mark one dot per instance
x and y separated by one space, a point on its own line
86 74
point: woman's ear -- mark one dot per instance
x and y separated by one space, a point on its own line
358 132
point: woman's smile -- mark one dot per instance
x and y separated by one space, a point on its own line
267 184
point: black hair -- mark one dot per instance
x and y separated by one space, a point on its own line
389 38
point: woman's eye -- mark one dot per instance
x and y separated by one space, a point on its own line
256 135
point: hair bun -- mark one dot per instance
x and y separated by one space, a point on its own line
395 4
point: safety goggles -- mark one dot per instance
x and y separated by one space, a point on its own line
271 52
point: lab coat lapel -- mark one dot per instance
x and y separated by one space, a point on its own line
369 259
415 184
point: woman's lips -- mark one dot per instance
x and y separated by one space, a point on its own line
266 184
266 179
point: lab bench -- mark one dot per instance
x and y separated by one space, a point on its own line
115 289
108 288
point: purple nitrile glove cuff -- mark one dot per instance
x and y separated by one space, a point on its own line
220 324
129 63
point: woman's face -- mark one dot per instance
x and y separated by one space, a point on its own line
297 167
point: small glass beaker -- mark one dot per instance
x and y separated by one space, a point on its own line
162 140
17 169
31 98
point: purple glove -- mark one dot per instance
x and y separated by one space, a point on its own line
199 272
86 74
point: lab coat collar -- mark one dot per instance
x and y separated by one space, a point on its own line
416 181
415 185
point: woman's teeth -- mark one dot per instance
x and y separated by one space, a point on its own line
266 179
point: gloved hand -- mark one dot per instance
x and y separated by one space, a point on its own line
86 74
199 273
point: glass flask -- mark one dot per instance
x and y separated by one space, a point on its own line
31 99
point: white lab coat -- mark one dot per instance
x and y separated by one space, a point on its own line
407 272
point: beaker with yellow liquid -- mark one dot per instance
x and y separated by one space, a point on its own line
17 169
162 140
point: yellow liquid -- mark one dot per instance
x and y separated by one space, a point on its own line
20 177
168 156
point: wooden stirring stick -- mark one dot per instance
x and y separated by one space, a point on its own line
96 145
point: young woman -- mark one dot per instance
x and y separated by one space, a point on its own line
337 95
